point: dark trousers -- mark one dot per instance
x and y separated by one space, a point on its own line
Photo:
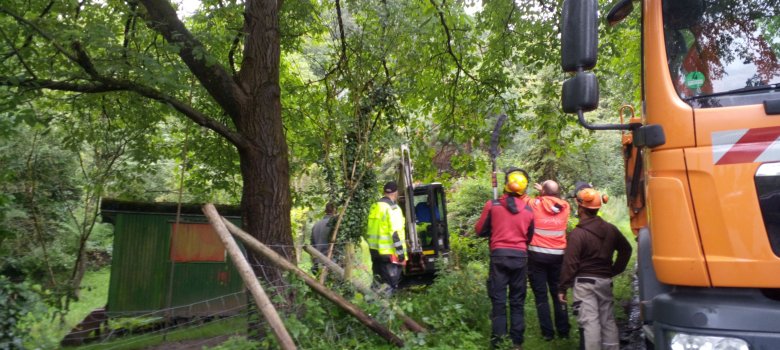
385 271
544 271
507 271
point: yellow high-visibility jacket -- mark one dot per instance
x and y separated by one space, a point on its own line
384 218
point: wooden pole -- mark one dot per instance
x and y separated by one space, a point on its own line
280 261
364 288
250 279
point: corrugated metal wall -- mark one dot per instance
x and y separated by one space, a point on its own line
141 269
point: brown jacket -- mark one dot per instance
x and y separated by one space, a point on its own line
589 252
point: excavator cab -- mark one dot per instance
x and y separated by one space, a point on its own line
433 239
427 235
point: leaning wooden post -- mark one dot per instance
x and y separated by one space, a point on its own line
364 288
250 279
280 261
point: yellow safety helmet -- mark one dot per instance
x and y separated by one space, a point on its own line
516 181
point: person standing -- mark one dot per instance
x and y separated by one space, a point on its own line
386 238
320 235
509 224
545 256
588 268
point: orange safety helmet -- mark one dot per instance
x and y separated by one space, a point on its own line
590 198
516 181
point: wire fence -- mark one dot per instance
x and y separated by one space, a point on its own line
309 319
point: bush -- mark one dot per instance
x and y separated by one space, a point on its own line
455 307
465 202
17 302
467 198
467 249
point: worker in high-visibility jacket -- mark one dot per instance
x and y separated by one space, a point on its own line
545 256
386 238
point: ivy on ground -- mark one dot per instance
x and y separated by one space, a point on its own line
16 301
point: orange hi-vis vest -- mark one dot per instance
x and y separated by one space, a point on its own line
551 214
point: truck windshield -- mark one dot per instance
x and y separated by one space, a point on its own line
723 52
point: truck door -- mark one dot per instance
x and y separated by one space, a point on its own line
724 64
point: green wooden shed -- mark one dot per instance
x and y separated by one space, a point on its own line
159 269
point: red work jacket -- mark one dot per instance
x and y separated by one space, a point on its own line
509 232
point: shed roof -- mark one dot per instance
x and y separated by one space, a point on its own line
112 206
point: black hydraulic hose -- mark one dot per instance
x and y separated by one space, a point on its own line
637 174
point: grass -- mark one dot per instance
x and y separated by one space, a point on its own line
229 326
46 330
47 333
94 294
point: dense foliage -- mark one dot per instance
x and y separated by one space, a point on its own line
96 101
17 301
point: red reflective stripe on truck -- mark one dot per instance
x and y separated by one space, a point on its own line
746 145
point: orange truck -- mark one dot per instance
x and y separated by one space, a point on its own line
702 164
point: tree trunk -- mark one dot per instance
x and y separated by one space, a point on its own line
266 207
265 199
79 269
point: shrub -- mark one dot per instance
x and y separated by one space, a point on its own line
17 301
467 197
455 307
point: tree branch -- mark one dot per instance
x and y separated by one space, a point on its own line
233 47
129 24
83 60
212 76
28 39
342 35
450 50
42 33
232 53
343 44
111 85
15 52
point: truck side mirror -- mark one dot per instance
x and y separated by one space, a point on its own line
580 93
579 51
579 35
620 11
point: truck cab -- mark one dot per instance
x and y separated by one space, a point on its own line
702 164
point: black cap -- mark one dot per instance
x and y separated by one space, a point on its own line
579 186
391 187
